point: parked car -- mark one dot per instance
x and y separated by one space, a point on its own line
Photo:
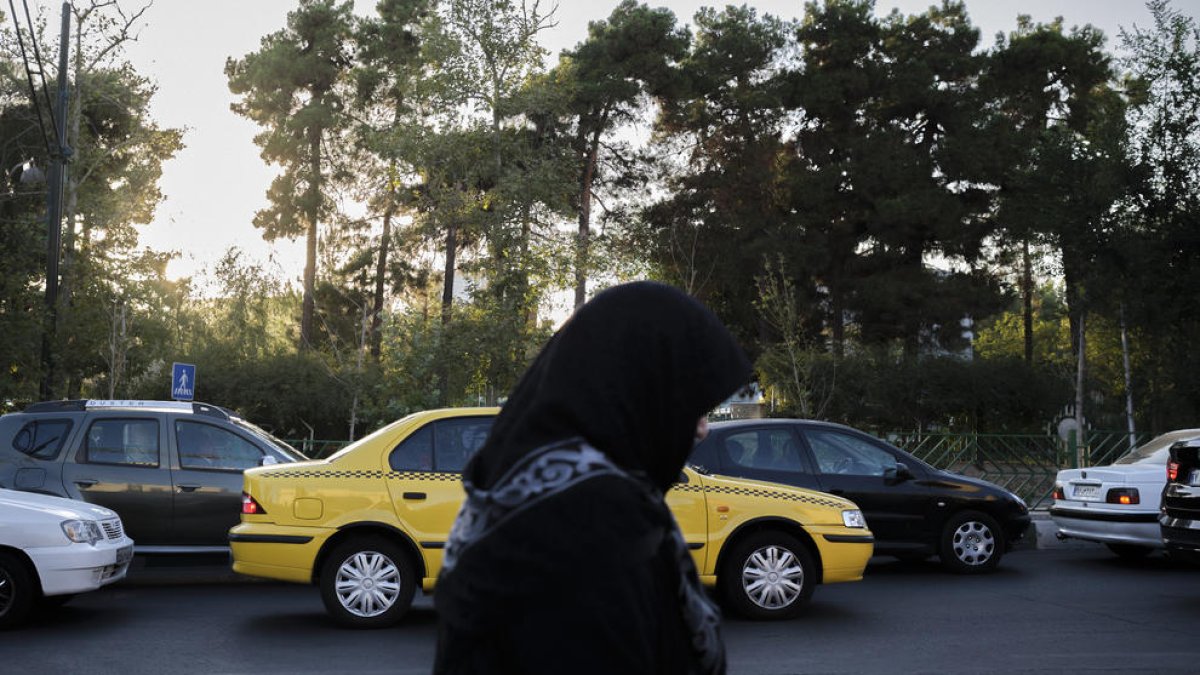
171 470
1117 505
368 525
52 548
1180 519
914 510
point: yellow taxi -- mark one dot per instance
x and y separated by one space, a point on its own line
369 524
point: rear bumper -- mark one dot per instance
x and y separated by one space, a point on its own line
79 568
1181 536
1138 528
276 552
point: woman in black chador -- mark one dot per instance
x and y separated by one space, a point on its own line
564 558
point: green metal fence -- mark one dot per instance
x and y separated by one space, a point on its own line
315 448
1023 463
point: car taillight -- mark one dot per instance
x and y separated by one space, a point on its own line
1172 470
250 506
1123 496
1058 492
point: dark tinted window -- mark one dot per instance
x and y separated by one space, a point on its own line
842 453
771 449
123 441
415 452
42 438
204 446
705 455
444 445
455 440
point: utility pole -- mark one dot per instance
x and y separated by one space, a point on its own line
58 173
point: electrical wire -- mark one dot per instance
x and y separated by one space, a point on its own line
37 58
29 77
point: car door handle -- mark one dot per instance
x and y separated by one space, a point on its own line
414 495
188 487
85 482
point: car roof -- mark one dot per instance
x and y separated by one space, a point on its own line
776 421
84 405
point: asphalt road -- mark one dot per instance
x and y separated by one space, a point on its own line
1045 611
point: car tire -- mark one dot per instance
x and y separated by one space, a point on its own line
367 582
1130 551
768 575
17 591
971 543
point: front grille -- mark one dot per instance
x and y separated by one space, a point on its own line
113 529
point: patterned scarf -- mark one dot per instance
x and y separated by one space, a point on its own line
551 470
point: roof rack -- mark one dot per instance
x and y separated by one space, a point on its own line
75 405
80 405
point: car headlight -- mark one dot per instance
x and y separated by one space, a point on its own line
853 518
82 531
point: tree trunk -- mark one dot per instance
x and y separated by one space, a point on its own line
447 303
1027 293
1128 381
310 257
448 274
1081 364
585 214
380 274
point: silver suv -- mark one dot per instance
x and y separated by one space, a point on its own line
171 470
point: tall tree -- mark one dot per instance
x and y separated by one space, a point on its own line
293 88
626 57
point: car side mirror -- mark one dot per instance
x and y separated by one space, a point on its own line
268 460
901 472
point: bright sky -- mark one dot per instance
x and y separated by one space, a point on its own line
214 186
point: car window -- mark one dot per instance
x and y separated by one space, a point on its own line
122 441
42 438
455 440
415 452
772 449
842 453
204 446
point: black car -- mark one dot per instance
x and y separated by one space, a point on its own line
1180 519
914 510
171 470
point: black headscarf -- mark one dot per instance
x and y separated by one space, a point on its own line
631 372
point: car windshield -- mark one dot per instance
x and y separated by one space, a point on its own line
282 446
1155 450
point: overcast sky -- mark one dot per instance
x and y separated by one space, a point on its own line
215 184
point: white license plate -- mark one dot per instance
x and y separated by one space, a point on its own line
124 555
1086 492
1194 478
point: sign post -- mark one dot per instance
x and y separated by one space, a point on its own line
183 381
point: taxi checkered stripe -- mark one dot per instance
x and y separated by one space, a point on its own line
754 492
367 474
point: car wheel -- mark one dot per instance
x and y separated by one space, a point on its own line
768 575
17 591
367 582
971 543
1130 551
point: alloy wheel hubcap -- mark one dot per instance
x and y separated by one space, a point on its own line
772 577
974 543
367 583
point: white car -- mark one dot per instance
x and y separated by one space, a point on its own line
52 548
1117 505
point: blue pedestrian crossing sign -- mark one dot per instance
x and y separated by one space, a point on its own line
183 381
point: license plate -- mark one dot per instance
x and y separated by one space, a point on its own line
124 555
1087 492
1194 478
